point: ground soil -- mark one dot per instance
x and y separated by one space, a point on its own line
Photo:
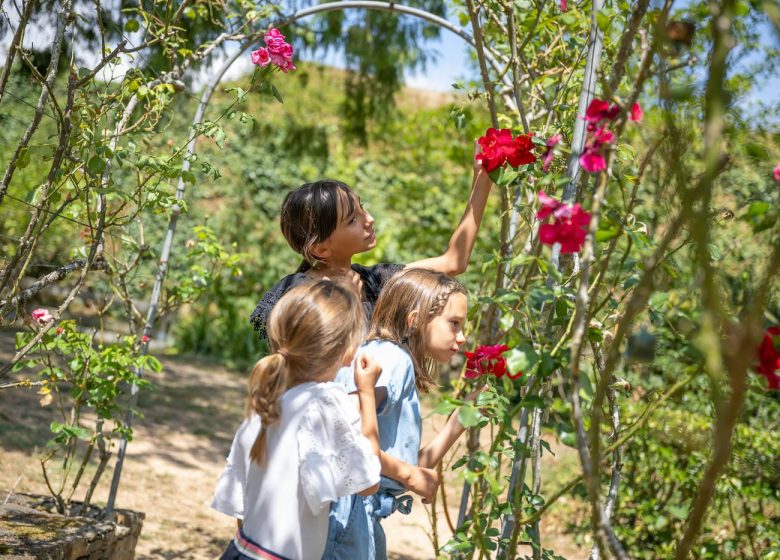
178 453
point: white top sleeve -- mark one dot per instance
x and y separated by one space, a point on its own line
335 458
229 493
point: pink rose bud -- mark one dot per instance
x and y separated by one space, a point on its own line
636 113
777 173
274 33
260 57
144 339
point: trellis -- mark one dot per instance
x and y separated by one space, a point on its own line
510 94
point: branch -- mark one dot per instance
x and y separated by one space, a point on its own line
15 42
51 74
51 278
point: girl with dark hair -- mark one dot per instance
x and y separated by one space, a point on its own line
326 224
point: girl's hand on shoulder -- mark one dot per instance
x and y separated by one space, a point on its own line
367 372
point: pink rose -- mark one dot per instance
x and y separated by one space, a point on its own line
777 173
274 33
260 57
592 160
549 153
41 316
636 113
275 45
144 339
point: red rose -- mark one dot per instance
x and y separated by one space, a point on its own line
499 148
486 360
769 357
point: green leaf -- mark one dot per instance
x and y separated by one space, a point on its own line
24 158
606 234
276 94
469 416
96 165
444 407
521 358
603 21
132 25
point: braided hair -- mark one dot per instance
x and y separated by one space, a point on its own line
413 289
311 329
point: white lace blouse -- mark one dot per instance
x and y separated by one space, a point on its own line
286 500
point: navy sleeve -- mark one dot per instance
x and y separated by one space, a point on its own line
259 317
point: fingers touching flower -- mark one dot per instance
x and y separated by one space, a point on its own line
486 360
499 147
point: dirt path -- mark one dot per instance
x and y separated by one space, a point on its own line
178 453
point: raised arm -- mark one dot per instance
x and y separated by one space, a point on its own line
422 481
367 372
431 454
455 259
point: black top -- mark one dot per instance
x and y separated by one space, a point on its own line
374 279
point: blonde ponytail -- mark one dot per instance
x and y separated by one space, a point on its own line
266 384
311 329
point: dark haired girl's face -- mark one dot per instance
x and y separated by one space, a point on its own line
354 233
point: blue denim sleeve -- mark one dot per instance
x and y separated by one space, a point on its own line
397 377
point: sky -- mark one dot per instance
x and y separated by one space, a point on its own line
453 62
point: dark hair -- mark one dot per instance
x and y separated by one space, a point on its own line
311 213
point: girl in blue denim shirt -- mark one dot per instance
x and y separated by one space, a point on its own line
417 324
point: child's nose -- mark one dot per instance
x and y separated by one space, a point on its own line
460 338
369 218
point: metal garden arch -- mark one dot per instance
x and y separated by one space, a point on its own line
587 92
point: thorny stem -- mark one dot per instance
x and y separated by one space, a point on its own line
625 437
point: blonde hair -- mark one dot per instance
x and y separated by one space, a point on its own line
414 289
310 330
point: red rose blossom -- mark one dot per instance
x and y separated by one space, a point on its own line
499 148
769 357
569 227
487 360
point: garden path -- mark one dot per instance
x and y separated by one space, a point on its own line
178 453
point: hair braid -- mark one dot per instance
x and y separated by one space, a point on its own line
266 384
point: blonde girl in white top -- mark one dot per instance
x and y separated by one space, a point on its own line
312 447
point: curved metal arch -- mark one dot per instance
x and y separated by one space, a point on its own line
200 112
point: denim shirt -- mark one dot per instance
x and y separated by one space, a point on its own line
398 417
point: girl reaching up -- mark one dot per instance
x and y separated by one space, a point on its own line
310 448
327 225
417 324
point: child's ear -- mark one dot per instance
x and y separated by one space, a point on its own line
321 250
412 319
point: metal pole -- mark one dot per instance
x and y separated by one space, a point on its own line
595 44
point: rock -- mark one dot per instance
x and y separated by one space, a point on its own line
29 529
